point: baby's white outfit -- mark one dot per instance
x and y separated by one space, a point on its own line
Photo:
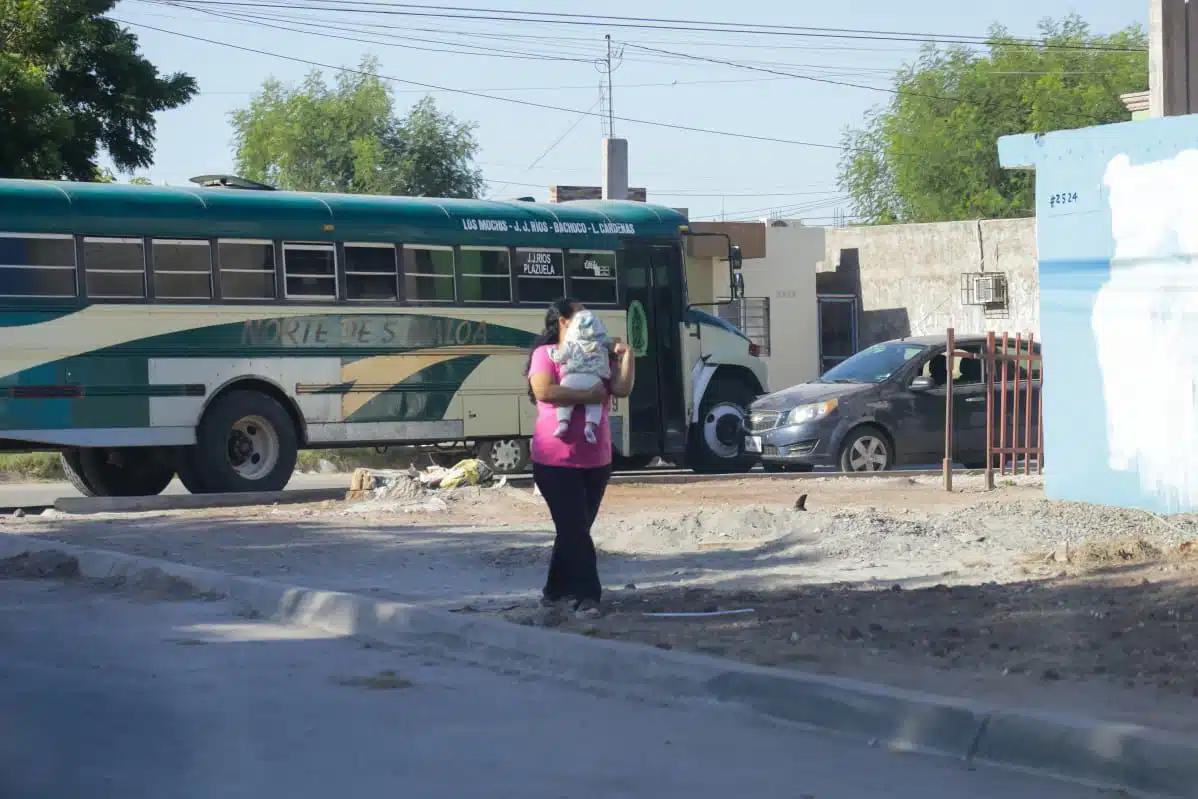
585 360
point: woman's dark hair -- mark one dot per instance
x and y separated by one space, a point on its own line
562 308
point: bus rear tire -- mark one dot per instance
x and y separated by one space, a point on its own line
120 472
717 441
246 442
506 455
72 467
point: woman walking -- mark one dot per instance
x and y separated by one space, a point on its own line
570 471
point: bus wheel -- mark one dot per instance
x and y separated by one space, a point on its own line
717 441
124 472
506 455
246 442
72 467
187 462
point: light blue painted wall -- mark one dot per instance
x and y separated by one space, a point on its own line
1117 232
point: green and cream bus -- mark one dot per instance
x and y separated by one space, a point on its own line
212 332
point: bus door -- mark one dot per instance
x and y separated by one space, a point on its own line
655 296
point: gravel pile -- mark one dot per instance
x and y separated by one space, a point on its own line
672 533
867 535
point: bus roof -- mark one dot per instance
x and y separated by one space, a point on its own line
110 209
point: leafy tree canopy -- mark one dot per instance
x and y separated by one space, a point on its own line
931 153
347 138
73 84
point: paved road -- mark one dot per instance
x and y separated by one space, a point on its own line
13 494
104 697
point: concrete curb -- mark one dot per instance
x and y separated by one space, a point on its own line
85 505
88 505
1080 749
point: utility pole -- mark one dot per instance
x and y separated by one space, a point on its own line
609 64
615 151
611 112
1172 57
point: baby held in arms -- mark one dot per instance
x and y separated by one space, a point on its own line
585 360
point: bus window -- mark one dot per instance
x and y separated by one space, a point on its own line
485 275
182 269
115 269
310 271
37 265
371 272
592 276
540 276
247 269
428 274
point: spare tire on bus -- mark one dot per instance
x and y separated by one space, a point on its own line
246 441
717 442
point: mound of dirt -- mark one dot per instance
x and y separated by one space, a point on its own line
1096 553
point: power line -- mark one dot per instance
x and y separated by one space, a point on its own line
698 194
751 213
490 52
553 146
564 87
556 37
652 23
484 96
833 82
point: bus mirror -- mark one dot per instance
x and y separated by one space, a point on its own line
734 257
738 283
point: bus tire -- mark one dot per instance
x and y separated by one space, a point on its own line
125 472
717 441
187 463
506 455
246 442
72 467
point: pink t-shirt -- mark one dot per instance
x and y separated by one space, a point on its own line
571 449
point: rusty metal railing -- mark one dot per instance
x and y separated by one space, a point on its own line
1006 362
1010 361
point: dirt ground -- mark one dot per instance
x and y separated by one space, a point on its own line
996 595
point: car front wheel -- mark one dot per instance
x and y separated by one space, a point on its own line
866 449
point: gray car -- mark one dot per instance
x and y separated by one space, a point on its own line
884 407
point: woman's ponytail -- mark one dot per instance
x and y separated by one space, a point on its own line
558 309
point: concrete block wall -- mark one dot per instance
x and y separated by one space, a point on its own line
908 277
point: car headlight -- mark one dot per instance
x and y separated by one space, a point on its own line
811 412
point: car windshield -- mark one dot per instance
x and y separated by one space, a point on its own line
873 365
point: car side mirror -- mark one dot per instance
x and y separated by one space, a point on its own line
922 383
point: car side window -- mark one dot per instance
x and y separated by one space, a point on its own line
936 368
969 371
966 371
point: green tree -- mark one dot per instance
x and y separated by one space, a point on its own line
931 153
73 84
347 138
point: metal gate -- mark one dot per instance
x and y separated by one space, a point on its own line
1014 372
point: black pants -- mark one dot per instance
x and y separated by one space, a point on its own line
573 497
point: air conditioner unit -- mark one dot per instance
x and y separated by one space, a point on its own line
989 289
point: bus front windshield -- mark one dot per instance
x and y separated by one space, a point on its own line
873 365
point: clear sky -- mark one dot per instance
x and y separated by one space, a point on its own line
525 149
